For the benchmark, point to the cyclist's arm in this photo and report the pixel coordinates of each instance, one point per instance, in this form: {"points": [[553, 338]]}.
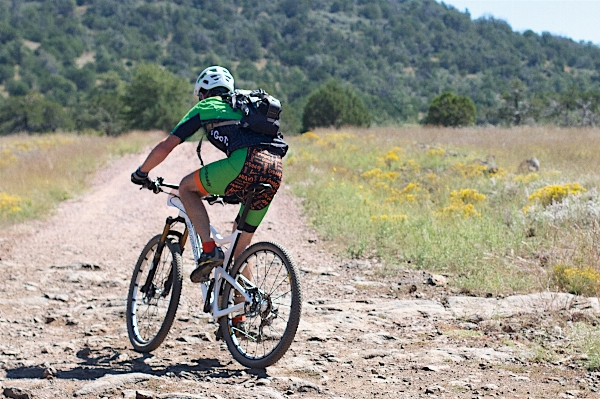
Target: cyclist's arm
{"points": [[160, 152]]}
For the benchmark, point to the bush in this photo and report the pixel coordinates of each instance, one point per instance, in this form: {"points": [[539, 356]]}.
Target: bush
{"points": [[16, 87], [31, 113], [448, 109], [333, 105], [577, 281], [155, 99]]}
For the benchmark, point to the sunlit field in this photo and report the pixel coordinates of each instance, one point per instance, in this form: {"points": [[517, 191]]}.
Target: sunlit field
{"points": [[461, 202], [39, 171]]}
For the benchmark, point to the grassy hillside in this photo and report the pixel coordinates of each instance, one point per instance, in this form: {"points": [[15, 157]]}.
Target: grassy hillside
{"points": [[398, 54]]}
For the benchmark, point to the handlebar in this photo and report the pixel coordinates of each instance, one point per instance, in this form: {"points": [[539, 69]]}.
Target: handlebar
{"points": [[158, 183]]}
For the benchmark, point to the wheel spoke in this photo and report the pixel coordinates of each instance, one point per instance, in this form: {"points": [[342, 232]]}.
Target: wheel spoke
{"points": [[150, 314], [267, 333]]}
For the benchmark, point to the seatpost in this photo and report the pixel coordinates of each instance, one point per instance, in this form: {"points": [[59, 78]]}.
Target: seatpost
{"points": [[251, 192], [244, 214]]}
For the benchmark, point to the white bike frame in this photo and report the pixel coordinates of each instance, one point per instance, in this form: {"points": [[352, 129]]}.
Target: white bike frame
{"points": [[220, 273]]}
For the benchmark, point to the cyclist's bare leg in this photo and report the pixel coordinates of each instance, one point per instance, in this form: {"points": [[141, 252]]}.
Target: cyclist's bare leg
{"points": [[192, 201], [243, 243]]}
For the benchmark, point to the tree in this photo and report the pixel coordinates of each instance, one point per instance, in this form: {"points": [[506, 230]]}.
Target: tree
{"points": [[155, 99], [448, 109], [515, 107], [31, 113], [333, 105]]}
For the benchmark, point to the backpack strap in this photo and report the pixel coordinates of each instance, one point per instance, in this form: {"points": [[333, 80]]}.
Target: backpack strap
{"points": [[211, 126]]}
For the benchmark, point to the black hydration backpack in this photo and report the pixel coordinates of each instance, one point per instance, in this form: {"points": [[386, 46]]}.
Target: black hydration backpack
{"points": [[261, 111]]}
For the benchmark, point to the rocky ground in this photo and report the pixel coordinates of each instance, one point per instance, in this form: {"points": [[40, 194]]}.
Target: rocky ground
{"points": [[63, 333]]}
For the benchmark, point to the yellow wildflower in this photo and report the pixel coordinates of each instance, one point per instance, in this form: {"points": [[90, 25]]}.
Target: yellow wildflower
{"points": [[9, 203], [555, 193], [467, 196], [436, 152], [528, 178]]}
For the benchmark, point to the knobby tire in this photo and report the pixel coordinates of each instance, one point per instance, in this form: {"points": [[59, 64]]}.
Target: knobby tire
{"points": [[275, 274], [149, 318]]}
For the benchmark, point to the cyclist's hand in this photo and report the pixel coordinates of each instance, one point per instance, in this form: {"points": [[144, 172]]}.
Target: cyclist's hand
{"points": [[141, 179]]}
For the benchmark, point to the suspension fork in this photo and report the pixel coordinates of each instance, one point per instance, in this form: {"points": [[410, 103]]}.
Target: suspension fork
{"points": [[159, 248]]}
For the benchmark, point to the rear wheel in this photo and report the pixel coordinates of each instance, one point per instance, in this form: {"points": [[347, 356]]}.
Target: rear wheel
{"points": [[269, 274], [152, 304]]}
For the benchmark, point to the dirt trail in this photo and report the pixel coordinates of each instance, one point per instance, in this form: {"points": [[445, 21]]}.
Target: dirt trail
{"points": [[62, 326]]}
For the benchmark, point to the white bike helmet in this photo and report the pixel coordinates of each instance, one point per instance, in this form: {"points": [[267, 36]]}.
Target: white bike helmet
{"points": [[211, 77]]}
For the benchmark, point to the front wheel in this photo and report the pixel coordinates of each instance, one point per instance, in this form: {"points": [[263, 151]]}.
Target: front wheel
{"points": [[154, 294], [268, 273]]}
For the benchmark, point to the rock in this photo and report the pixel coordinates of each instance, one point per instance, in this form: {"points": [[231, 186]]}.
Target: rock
{"points": [[263, 381], [300, 385], [128, 394], [490, 326], [516, 304], [438, 280], [179, 395], [57, 297], [62, 297], [16, 393], [111, 381], [123, 357], [491, 387], [434, 368], [358, 264], [468, 326], [510, 328], [434, 389], [144, 395], [49, 373], [84, 353], [87, 266], [206, 336], [373, 353], [188, 339]]}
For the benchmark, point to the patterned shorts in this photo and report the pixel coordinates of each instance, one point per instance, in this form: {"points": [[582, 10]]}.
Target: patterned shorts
{"points": [[243, 168]]}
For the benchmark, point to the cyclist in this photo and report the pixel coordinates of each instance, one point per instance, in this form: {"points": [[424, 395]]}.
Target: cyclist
{"points": [[251, 158]]}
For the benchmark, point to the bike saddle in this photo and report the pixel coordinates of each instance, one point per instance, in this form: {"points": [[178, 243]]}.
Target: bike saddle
{"points": [[260, 188]]}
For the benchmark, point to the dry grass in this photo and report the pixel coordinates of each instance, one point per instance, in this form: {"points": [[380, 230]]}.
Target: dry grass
{"points": [[572, 150], [37, 172], [422, 197]]}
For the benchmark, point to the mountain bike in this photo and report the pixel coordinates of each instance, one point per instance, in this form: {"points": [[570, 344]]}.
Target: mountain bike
{"points": [[262, 284]]}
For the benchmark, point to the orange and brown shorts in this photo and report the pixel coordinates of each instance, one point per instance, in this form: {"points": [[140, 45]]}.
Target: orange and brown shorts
{"points": [[234, 175]]}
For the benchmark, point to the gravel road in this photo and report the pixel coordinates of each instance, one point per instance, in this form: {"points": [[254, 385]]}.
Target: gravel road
{"points": [[63, 333]]}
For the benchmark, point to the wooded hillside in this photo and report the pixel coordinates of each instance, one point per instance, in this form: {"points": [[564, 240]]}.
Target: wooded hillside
{"points": [[74, 59]]}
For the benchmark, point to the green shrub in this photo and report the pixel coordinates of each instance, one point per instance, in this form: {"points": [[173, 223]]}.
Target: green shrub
{"points": [[333, 105], [448, 109]]}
